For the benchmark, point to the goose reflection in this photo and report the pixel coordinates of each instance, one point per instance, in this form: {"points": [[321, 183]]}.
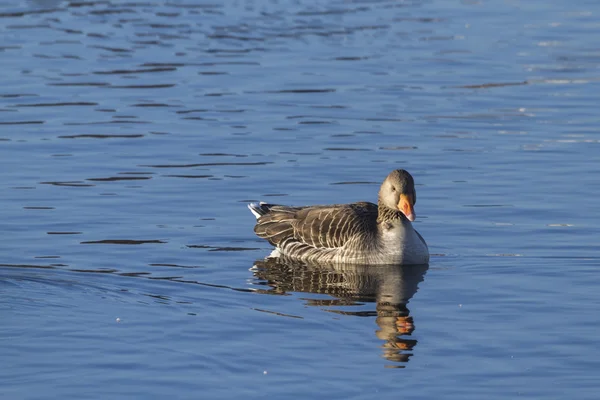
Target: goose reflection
{"points": [[389, 286]]}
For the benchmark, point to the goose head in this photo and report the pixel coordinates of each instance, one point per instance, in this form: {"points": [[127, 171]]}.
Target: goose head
{"points": [[398, 193]]}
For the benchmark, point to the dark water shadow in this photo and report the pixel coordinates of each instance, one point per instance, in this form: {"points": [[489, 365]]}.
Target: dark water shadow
{"points": [[390, 287]]}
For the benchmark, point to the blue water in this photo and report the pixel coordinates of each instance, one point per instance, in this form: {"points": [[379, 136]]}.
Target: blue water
{"points": [[132, 135]]}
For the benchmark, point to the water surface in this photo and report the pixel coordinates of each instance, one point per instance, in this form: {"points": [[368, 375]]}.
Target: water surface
{"points": [[132, 135]]}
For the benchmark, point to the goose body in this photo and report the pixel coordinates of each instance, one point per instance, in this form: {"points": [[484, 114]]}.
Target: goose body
{"points": [[362, 233]]}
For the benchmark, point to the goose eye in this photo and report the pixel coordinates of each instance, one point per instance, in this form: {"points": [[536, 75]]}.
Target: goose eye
{"points": [[393, 189]]}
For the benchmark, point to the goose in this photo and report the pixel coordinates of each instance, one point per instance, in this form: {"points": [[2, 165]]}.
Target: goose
{"points": [[358, 233]]}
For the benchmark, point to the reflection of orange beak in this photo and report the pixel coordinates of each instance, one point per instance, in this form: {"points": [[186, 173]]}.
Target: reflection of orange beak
{"points": [[405, 325], [406, 206]]}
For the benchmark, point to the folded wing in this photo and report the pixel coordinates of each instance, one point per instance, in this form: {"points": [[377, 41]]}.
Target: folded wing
{"points": [[325, 227]]}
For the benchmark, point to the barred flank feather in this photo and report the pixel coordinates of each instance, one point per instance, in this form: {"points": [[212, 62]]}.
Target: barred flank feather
{"points": [[313, 232]]}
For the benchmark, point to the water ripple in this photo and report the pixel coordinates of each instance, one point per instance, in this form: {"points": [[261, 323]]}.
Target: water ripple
{"points": [[214, 164], [100, 136], [124, 241]]}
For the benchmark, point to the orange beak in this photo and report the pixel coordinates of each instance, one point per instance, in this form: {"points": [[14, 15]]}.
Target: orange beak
{"points": [[406, 206]]}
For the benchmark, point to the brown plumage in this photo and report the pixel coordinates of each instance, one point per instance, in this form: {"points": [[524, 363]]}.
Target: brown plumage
{"points": [[359, 232]]}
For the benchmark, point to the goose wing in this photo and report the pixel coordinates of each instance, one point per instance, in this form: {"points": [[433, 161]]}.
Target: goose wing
{"points": [[327, 227]]}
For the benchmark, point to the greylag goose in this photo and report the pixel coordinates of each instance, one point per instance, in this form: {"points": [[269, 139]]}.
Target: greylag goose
{"points": [[361, 233]]}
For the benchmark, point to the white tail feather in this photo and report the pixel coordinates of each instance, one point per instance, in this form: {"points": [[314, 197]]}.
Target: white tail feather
{"points": [[252, 207]]}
